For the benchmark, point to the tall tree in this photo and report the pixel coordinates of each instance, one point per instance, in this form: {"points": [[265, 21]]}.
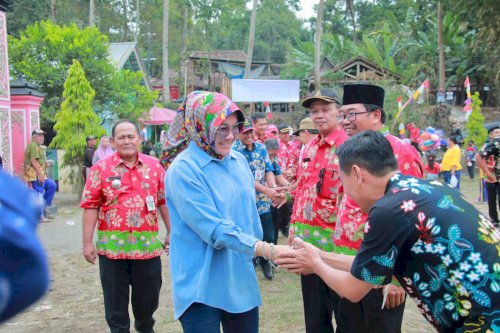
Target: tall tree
{"points": [[91, 13], [166, 81], [45, 51], [442, 78], [251, 38], [76, 120], [349, 4], [317, 46], [53, 10]]}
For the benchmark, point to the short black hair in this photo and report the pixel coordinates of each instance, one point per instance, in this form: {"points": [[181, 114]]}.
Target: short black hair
{"points": [[125, 121], [257, 115], [492, 129], [369, 150], [272, 143], [453, 139], [373, 107]]}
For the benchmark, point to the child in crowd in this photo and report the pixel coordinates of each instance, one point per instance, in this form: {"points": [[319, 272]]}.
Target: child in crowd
{"points": [[432, 168]]}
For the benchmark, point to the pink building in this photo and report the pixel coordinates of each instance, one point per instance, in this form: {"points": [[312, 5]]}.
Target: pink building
{"points": [[25, 117], [19, 113]]}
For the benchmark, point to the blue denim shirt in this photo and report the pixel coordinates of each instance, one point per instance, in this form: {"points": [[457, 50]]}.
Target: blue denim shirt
{"points": [[259, 162], [214, 227]]}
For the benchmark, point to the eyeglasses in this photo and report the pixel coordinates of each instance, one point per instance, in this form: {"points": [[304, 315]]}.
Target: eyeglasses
{"points": [[223, 131], [350, 116]]}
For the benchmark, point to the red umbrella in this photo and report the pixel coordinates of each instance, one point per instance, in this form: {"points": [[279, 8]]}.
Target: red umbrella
{"points": [[159, 116]]}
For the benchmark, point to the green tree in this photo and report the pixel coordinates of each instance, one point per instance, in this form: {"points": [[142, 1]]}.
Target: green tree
{"points": [[475, 123], [76, 120], [45, 51]]}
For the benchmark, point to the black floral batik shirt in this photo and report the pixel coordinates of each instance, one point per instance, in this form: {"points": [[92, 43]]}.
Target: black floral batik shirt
{"points": [[442, 250]]}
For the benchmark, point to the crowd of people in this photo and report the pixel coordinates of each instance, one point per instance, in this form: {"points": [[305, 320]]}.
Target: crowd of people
{"points": [[362, 226]]}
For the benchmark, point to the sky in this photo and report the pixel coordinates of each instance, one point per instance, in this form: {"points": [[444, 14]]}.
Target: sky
{"points": [[307, 8]]}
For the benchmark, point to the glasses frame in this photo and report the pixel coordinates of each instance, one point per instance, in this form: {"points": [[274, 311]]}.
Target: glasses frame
{"points": [[236, 129], [350, 116]]}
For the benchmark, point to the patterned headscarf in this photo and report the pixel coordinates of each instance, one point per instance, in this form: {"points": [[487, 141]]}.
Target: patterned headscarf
{"points": [[197, 120]]}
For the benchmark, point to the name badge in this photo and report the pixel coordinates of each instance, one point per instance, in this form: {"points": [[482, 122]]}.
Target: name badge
{"points": [[150, 203], [258, 175]]}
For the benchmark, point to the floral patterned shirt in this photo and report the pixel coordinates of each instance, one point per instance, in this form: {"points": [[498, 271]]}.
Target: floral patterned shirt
{"points": [[492, 148], [351, 220], [262, 139], [440, 248], [259, 162], [126, 229], [288, 156], [315, 206]]}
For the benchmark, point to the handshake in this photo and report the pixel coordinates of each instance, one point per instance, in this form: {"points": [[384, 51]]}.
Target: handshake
{"points": [[300, 258]]}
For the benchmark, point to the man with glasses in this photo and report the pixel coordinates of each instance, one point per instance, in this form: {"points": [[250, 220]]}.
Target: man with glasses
{"points": [[362, 110], [315, 207], [265, 184]]}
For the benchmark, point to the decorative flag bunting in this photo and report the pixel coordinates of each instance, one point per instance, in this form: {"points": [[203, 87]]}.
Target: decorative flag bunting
{"points": [[420, 90]]}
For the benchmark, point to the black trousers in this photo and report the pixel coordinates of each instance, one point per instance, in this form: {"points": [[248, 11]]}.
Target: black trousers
{"points": [[493, 191], [320, 303], [281, 219], [117, 276]]}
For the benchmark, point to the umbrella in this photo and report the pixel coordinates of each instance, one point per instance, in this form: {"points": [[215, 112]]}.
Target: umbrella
{"points": [[159, 116]]}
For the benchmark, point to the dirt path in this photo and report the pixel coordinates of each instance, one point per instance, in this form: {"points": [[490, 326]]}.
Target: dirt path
{"points": [[74, 302]]}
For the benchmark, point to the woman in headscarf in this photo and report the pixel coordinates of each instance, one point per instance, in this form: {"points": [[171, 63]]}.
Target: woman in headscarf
{"points": [[104, 150], [215, 226]]}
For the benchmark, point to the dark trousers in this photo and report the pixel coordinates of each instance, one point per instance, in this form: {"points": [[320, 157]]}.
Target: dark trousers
{"points": [[144, 276], [320, 302], [201, 318], [281, 220], [493, 191], [470, 169], [447, 177], [266, 220]]}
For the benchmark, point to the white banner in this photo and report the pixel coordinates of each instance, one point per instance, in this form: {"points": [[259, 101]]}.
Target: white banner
{"points": [[273, 91]]}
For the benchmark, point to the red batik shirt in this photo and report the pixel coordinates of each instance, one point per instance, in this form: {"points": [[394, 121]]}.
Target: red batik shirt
{"points": [[126, 229], [288, 157], [315, 206], [351, 220], [263, 138]]}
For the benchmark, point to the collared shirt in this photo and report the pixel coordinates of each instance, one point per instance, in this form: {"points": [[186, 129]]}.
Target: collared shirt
{"points": [[452, 158], [263, 138], [259, 162], [492, 149], [315, 206], [440, 248], [288, 156], [351, 220], [33, 150], [126, 229], [215, 225]]}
